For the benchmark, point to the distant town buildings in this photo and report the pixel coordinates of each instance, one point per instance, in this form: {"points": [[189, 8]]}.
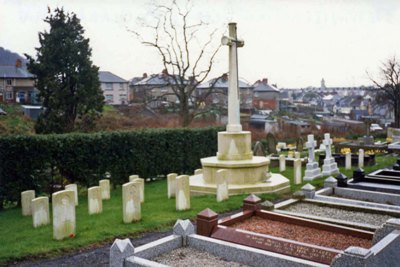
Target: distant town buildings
{"points": [[115, 89]]}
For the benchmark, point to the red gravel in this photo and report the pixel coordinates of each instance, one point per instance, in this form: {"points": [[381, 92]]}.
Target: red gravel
{"points": [[302, 233]]}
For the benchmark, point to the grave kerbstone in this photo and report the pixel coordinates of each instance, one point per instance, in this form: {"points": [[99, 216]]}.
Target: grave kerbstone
{"points": [[206, 221], [348, 161], [358, 175], [26, 202], [171, 184], [312, 170], [330, 166], [183, 228], [182, 195], [131, 202], [105, 188], [40, 211], [95, 202], [73, 188], [297, 171], [63, 203], [267, 205], [221, 182], [119, 251], [308, 190], [361, 158], [330, 182], [282, 163]]}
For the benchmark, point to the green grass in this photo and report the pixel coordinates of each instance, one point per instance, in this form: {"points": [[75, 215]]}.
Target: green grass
{"points": [[15, 122], [158, 213], [20, 240]]}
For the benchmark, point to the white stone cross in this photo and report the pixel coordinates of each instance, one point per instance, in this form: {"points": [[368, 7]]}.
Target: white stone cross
{"points": [[233, 91], [328, 142], [311, 144]]}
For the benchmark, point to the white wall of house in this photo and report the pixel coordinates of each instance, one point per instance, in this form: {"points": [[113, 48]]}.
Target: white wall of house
{"points": [[115, 93]]}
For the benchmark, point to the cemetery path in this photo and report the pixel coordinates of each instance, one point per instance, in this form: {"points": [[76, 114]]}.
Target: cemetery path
{"points": [[98, 256]]}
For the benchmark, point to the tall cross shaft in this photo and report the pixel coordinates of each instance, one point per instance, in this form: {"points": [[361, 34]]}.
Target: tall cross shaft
{"points": [[233, 89]]}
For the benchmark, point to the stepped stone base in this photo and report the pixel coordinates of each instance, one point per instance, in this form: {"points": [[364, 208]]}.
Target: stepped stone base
{"points": [[330, 167], [312, 171]]}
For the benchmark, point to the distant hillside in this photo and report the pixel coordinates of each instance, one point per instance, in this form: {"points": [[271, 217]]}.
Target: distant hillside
{"points": [[9, 58]]}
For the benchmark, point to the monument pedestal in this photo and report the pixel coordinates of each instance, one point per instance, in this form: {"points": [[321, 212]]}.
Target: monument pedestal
{"points": [[312, 171], [329, 167]]}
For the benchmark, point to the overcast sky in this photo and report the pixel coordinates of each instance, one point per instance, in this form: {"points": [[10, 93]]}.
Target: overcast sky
{"points": [[293, 43]]}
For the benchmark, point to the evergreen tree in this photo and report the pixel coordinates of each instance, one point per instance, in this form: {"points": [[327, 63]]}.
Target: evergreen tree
{"points": [[67, 81]]}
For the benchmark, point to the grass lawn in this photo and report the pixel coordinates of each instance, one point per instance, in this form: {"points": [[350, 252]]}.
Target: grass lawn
{"points": [[20, 240]]}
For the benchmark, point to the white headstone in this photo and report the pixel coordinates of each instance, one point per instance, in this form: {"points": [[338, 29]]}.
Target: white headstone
{"points": [[26, 202], [171, 184], [63, 214], [140, 181], [182, 195], [348, 161], [40, 211], [74, 188], [95, 201], [198, 171], [131, 202], [297, 171], [282, 163], [361, 158], [132, 177], [222, 185], [296, 155], [105, 188], [330, 166], [312, 170]]}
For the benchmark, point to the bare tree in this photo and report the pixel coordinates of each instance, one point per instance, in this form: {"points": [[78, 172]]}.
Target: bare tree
{"points": [[390, 86], [186, 59]]}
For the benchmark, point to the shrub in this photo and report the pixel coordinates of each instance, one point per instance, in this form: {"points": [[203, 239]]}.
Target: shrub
{"points": [[36, 162]]}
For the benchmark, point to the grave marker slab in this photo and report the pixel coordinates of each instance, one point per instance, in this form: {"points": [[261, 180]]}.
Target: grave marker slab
{"points": [[222, 185], [26, 199], [105, 188], [95, 202], [40, 211], [171, 184], [131, 202], [182, 194], [140, 181], [361, 158], [297, 171], [348, 161], [282, 163], [133, 177], [74, 188], [63, 214]]}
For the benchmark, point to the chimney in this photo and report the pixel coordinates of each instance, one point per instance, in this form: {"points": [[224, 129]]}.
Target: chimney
{"points": [[224, 77], [265, 81], [164, 72], [18, 63], [144, 75]]}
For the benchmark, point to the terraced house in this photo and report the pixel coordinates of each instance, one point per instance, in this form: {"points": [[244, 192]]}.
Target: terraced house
{"points": [[115, 89]]}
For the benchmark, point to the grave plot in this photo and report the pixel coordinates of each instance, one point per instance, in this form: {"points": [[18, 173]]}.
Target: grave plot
{"points": [[367, 218]]}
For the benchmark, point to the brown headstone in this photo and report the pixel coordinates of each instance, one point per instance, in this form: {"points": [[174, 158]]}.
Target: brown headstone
{"points": [[206, 221]]}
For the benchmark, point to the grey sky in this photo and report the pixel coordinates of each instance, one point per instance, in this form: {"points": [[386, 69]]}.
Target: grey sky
{"points": [[293, 43]]}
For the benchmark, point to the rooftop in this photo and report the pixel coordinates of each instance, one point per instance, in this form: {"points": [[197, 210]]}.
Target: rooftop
{"points": [[14, 72], [108, 77]]}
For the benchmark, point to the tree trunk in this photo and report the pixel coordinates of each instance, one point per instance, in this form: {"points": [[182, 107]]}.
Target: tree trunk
{"points": [[396, 107]]}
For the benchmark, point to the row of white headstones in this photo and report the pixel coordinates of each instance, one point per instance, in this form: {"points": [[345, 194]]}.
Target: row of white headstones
{"points": [[311, 144], [64, 202]]}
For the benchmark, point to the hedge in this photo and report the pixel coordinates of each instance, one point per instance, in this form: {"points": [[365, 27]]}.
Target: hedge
{"points": [[40, 162]]}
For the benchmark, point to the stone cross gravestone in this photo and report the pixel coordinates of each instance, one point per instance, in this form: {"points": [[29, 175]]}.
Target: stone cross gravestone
{"points": [[26, 202], [131, 209], [63, 214], [40, 211], [105, 188], [95, 200], [312, 169], [330, 166], [73, 188], [222, 185], [348, 160], [182, 195], [171, 184]]}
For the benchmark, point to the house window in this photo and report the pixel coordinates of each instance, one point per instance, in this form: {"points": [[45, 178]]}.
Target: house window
{"points": [[109, 98], [9, 82], [9, 95], [109, 87], [121, 86]]}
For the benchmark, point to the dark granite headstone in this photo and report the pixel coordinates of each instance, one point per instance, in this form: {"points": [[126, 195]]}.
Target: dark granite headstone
{"points": [[299, 144], [358, 175], [342, 180]]}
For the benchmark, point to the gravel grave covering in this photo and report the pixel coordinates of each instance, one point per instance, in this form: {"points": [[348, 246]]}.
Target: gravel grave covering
{"points": [[339, 214], [189, 257], [302, 233]]}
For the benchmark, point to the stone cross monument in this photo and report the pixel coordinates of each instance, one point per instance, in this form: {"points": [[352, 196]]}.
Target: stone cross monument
{"points": [[330, 166], [233, 90], [312, 169]]}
